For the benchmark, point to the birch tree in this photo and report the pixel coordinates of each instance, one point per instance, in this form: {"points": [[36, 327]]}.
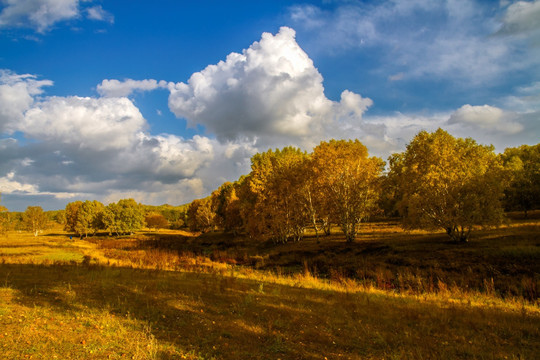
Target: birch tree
{"points": [[449, 183], [35, 219], [349, 182]]}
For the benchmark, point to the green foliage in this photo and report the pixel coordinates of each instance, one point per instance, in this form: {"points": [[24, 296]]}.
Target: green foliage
{"points": [[171, 213], [84, 218], [448, 183], [89, 218], [124, 217], [523, 163], [58, 216]]}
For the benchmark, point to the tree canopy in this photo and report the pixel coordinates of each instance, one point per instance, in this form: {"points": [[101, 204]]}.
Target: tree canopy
{"points": [[523, 163], [35, 219], [124, 217], [449, 183], [349, 180]]}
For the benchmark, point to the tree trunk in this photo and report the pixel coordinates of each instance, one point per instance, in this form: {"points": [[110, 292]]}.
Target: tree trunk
{"points": [[458, 235]]}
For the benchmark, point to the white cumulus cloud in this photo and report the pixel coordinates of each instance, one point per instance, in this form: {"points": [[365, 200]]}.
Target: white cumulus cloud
{"points": [[270, 91], [17, 94], [97, 147], [485, 117], [86, 122]]}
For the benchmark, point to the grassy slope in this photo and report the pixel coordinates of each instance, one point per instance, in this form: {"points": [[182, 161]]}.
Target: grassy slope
{"points": [[64, 309]]}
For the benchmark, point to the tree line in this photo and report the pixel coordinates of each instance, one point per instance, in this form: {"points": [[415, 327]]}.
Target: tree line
{"points": [[88, 217], [439, 181]]}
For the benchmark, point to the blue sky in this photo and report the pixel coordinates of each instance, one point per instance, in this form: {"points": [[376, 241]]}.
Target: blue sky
{"points": [[165, 101]]}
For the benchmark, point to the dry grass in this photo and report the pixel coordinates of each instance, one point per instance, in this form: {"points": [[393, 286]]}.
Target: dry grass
{"points": [[149, 297]]}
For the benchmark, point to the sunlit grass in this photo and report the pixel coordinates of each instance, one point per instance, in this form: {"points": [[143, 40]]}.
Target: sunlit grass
{"points": [[146, 297], [98, 312]]}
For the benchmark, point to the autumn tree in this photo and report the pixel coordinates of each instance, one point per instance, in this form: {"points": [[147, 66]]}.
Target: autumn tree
{"points": [[272, 207], [156, 221], [449, 183], [226, 206], [4, 220], [313, 198], [200, 215], [35, 219], [523, 164], [124, 217], [71, 213], [349, 180], [390, 194]]}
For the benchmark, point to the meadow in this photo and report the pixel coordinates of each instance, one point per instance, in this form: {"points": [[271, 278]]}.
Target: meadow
{"points": [[179, 295]]}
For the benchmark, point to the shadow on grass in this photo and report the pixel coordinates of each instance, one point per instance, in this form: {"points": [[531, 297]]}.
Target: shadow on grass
{"points": [[222, 317]]}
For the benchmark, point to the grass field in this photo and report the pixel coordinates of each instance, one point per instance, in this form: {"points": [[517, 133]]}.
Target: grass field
{"points": [[176, 295]]}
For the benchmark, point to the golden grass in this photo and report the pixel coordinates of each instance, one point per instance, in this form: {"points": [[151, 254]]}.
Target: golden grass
{"points": [[122, 298]]}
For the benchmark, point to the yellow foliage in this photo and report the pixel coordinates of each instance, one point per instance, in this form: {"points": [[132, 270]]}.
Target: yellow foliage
{"points": [[449, 183]]}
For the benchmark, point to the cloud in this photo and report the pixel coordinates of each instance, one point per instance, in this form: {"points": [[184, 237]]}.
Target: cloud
{"points": [[521, 17], [38, 14], [396, 77], [83, 147], [42, 15], [271, 92], [88, 123], [487, 118], [424, 39], [9, 186], [17, 94], [525, 99], [116, 88], [97, 13]]}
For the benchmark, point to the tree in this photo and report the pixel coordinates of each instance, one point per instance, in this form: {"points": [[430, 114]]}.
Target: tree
{"points": [[226, 206], [272, 206], [200, 215], [156, 221], [390, 195], [523, 192], [4, 220], [349, 182], [448, 183], [35, 219], [89, 218], [84, 218], [71, 212], [59, 216], [124, 217]]}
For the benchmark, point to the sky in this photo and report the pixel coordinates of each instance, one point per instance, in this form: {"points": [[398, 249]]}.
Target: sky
{"points": [[165, 101]]}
